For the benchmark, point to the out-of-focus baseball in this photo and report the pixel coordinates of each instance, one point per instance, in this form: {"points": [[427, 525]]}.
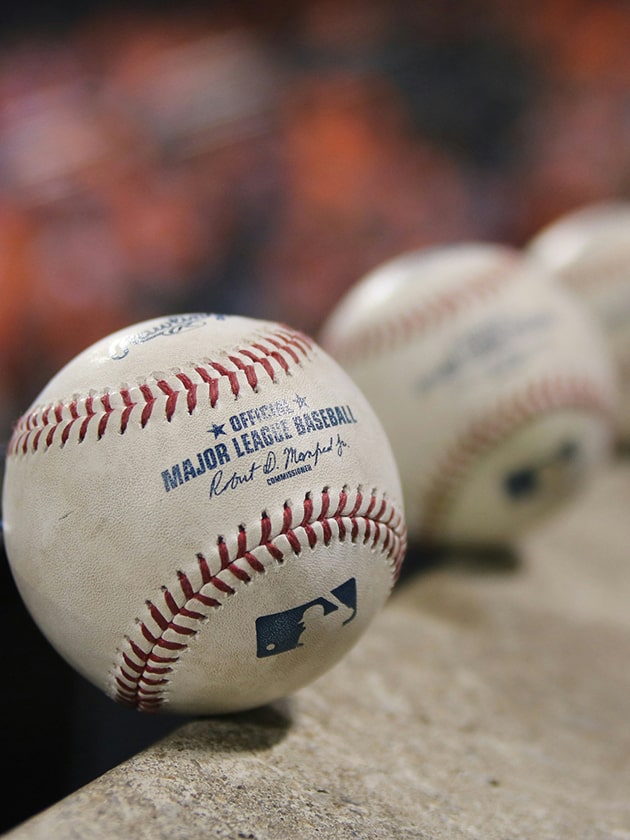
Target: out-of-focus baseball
{"points": [[202, 513], [493, 384], [589, 251]]}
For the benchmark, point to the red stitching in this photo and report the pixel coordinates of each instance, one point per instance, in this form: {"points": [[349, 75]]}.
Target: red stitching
{"points": [[286, 348], [191, 391], [553, 394], [153, 655], [129, 407], [374, 338]]}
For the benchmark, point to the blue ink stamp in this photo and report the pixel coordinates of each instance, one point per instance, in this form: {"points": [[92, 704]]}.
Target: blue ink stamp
{"points": [[525, 482], [280, 632]]}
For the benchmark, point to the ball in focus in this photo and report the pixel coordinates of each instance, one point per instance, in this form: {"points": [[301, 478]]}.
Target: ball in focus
{"points": [[588, 250], [493, 384], [202, 513]]}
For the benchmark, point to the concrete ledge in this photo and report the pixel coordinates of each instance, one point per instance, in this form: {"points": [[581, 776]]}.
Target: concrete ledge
{"points": [[490, 699]]}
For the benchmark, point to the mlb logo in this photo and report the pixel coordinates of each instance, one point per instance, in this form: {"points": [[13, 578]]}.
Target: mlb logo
{"points": [[280, 632]]}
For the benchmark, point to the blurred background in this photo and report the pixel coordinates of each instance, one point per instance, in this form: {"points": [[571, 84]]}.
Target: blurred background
{"points": [[258, 158]]}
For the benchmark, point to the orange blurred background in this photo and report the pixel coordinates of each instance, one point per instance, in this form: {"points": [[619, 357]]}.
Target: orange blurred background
{"points": [[258, 159]]}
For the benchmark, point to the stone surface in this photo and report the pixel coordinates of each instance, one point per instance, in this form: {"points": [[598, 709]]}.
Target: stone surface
{"points": [[490, 699]]}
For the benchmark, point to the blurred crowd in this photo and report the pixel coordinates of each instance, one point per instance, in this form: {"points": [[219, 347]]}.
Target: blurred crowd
{"points": [[260, 159]]}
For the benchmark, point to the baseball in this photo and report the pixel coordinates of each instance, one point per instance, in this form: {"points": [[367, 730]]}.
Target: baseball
{"points": [[202, 513], [492, 383], [588, 250]]}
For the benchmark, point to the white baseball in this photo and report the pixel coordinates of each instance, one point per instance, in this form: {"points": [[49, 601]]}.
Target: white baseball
{"points": [[493, 384], [202, 513], [588, 250]]}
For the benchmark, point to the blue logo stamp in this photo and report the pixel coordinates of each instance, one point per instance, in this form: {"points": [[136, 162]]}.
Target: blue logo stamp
{"points": [[281, 632], [525, 482]]}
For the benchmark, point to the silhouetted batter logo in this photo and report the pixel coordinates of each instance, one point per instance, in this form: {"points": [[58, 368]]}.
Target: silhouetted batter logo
{"points": [[283, 631], [525, 482]]}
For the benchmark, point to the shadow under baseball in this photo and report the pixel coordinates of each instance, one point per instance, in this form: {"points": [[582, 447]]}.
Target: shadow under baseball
{"points": [[491, 559]]}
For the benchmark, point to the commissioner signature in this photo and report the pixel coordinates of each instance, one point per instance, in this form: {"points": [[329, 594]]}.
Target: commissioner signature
{"points": [[293, 455], [221, 484], [293, 462]]}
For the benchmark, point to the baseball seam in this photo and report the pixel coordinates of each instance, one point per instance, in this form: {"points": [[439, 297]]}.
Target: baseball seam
{"points": [[273, 353], [539, 397], [145, 663], [416, 320]]}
